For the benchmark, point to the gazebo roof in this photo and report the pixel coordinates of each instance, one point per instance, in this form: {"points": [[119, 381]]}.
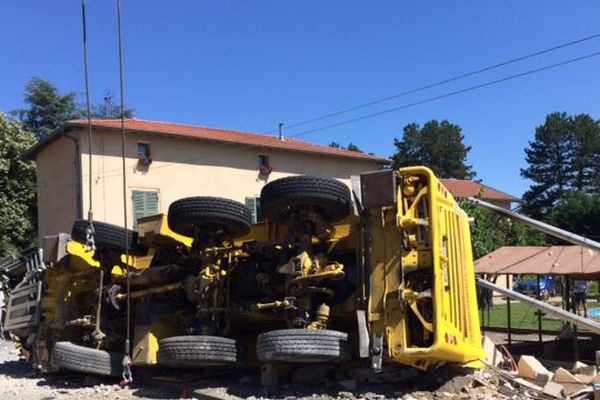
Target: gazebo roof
{"points": [[576, 261]]}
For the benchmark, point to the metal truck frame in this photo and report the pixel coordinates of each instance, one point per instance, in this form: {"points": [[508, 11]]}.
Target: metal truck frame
{"points": [[390, 282]]}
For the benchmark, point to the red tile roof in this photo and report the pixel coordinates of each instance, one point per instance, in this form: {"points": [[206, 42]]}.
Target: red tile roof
{"points": [[225, 135], [466, 188]]}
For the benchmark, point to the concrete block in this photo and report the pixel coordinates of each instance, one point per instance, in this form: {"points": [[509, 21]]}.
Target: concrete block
{"points": [[585, 379], [592, 370], [529, 367], [554, 389], [492, 354], [578, 365], [527, 384], [561, 375]]}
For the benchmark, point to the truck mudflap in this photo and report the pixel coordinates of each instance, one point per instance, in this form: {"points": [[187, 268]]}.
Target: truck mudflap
{"points": [[422, 297]]}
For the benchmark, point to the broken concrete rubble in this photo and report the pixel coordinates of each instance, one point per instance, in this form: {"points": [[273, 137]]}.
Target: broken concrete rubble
{"points": [[492, 354], [529, 367], [554, 389], [561, 375]]}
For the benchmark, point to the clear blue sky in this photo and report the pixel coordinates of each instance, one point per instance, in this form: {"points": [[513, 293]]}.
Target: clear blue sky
{"points": [[249, 65]]}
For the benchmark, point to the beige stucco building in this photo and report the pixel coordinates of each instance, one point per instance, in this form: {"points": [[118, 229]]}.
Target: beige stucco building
{"points": [[166, 162]]}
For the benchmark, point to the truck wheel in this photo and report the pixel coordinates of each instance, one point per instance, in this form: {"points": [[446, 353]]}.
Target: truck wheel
{"points": [[303, 346], [73, 357], [108, 236], [327, 197], [198, 351], [212, 214]]}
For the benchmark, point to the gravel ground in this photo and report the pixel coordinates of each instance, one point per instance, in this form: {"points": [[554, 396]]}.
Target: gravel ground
{"points": [[19, 381]]}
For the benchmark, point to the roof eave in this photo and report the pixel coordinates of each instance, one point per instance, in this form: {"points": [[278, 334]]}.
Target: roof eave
{"points": [[374, 159]]}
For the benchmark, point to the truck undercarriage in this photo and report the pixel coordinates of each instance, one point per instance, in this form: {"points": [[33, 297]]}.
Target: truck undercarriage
{"points": [[382, 273]]}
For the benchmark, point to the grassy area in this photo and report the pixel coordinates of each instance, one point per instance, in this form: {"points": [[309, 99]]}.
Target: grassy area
{"points": [[522, 316]]}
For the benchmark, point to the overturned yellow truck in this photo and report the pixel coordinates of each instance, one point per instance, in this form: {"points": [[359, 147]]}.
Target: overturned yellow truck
{"points": [[382, 273]]}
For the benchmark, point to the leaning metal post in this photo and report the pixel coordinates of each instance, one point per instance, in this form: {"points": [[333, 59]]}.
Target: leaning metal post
{"points": [[539, 314], [508, 314]]}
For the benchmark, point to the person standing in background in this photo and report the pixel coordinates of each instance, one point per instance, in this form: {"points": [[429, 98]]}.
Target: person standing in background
{"points": [[580, 289]]}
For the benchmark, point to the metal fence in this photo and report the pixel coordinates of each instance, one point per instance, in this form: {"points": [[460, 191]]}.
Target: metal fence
{"points": [[523, 327]]}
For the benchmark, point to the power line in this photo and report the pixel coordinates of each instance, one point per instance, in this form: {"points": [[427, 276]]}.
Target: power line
{"points": [[402, 107], [442, 82], [453, 93]]}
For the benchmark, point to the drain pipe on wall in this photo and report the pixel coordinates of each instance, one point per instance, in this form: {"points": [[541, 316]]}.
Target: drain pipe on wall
{"points": [[77, 176]]}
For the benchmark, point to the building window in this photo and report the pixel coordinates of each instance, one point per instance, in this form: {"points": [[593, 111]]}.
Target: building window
{"points": [[144, 153], [144, 204], [253, 203], [264, 165]]}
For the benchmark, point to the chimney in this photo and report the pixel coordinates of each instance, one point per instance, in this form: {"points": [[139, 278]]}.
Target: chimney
{"points": [[281, 137]]}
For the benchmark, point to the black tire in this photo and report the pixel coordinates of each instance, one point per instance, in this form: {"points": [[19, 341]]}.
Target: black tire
{"points": [[73, 357], [108, 236], [213, 214], [303, 346], [327, 197], [198, 351]]}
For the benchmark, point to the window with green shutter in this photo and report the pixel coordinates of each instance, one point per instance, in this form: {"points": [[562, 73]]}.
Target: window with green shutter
{"points": [[145, 203], [253, 203]]}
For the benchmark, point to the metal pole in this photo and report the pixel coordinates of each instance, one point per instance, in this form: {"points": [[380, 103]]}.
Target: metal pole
{"points": [[575, 335], [482, 319], [508, 314], [542, 226], [539, 313]]}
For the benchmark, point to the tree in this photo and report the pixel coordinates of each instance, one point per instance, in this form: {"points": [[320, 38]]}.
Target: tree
{"points": [[438, 145], [108, 109], [48, 110], [18, 208], [563, 157], [585, 154], [492, 231], [351, 147], [579, 213]]}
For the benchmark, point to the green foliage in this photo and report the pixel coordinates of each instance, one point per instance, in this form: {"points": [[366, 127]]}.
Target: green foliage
{"points": [[108, 109], [579, 212], [438, 145], [351, 147], [17, 188], [48, 109], [491, 231], [563, 157]]}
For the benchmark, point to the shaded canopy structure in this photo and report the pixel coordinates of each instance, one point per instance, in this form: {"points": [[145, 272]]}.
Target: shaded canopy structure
{"points": [[574, 261]]}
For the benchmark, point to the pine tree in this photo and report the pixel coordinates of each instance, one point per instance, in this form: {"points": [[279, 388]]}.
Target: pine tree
{"points": [[438, 145], [585, 154], [48, 110], [563, 157]]}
